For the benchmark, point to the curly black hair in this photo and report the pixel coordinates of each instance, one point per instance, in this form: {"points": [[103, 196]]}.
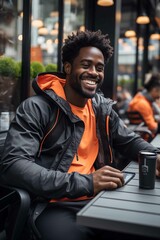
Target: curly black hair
{"points": [[80, 39], [153, 82]]}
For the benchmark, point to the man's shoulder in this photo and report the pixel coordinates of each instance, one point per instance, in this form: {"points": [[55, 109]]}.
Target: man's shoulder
{"points": [[102, 104], [36, 103], [138, 99], [100, 98], [36, 99]]}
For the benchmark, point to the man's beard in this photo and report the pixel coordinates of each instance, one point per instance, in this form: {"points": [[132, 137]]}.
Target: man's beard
{"points": [[82, 92]]}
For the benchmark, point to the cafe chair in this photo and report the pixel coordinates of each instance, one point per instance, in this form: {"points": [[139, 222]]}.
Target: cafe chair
{"points": [[135, 118], [3, 135], [138, 125], [14, 209]]}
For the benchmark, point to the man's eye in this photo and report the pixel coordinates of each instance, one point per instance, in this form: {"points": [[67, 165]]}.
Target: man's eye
{"points": [[85, 66], [100, 69]]}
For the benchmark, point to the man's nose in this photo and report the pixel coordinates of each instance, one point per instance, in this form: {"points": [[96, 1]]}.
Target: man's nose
{"points": [[93, 71]]}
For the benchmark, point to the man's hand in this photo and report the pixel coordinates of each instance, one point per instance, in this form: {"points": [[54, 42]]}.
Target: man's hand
{"points": [[107, 178], [158, 166]]}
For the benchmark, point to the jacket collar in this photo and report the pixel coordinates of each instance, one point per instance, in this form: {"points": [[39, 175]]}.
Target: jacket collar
{"points": [[48, 84]]}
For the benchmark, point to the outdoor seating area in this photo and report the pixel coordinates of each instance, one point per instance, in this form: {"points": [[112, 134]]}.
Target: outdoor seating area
{"points": [[138, 125], [79, 102], [15, 204], [129, 210]]}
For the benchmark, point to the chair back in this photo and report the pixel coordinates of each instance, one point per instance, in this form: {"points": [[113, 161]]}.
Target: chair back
{"points": [[14, 206], [135, 118], [3, 135], [138, 125]]}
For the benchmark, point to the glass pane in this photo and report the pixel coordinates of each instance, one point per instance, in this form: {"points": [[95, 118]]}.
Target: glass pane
{"points": [[45, 29], [140, 63], [126, 62], [44, 36], [10, 56], [127, 47], [74, 16], [154, 52]]}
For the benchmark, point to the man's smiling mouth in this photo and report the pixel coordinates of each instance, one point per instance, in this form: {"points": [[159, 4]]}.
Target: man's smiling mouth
{"points": [[90, 82]]}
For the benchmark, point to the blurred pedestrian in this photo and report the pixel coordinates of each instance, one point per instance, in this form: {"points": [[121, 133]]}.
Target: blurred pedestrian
{"points": [[143, 101]]}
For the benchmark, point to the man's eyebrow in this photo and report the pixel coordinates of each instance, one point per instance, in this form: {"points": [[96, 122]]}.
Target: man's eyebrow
{"points": [[88, 60]]}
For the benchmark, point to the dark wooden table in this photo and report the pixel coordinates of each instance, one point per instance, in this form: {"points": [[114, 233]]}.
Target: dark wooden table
{"points": [[128, 209]]}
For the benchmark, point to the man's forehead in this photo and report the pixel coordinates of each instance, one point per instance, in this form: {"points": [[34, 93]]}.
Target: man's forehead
{"points": [[91, 49], [89, 52]]}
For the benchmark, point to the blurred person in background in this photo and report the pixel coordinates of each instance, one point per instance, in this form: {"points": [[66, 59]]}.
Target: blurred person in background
{"points": [[144, 102], [123, 99]]}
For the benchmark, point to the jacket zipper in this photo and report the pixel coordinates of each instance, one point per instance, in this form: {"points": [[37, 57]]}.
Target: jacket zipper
{"points": [[41, 144], [107, 131]]}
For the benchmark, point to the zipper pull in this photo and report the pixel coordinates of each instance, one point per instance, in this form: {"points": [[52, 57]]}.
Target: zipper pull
{"points": [[77, 157]]}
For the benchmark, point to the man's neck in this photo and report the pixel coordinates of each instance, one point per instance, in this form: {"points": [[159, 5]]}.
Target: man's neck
{"points": [[74, 98]]}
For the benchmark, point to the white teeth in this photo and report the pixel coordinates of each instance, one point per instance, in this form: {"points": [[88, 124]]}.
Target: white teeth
{"points": [[91, 82]]}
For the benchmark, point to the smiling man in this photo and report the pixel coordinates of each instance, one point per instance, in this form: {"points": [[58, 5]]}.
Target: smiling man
{"points": [[60, 144], [85, 76]]}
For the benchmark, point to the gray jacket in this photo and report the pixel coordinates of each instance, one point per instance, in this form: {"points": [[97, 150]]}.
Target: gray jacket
{"points": [[44, 137]]}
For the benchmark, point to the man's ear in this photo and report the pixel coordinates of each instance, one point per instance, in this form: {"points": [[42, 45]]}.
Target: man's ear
{"points": [[67, 67]]}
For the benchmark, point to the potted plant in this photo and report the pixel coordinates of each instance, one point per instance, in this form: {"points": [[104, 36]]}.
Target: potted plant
{"points": [[51, 67], [8, 77], [8, 80], [37, 68]]}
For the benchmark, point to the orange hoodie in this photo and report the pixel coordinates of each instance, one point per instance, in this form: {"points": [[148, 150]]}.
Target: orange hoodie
{"points": [[140, 104], [88, 148]]}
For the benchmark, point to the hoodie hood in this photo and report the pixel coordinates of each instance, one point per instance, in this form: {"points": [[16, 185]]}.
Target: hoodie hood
{"points": [[45, 82], [52, 81]]}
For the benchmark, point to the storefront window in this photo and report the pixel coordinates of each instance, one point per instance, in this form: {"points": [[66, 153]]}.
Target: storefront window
{"points": [[45, 30], [10, 57], [126, 63], [73, 16], [127, 48], [154, 52], [44, 33]]}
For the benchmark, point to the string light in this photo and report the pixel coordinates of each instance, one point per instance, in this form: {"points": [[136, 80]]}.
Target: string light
{"points": [[105, 3]]}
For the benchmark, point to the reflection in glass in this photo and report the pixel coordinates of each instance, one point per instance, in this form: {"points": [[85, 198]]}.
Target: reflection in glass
{"points": [[45, 27], [73, 16], [10, 57]]}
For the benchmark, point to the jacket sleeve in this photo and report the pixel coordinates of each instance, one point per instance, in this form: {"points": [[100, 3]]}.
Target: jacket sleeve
{"points": [[18, 167], [127, 142]]}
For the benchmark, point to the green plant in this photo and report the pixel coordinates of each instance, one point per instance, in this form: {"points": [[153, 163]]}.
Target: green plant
{"points": [[8, 67], [19, 70], [51, 67], [19, 66], [36, 68], [126, 83]]}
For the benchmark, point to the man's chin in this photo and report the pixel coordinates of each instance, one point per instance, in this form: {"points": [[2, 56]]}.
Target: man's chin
{"points": [[89, 95]]}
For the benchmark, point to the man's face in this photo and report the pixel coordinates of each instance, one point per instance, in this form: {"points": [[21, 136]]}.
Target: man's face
{"points": [[87, 72]]}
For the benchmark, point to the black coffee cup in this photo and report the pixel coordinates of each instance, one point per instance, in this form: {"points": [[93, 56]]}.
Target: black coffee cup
{"points": [[147, 169]]}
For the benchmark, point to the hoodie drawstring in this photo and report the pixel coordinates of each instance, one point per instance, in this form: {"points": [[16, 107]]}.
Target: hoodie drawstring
{"points": [[109, 146], [77, 158], [45, 136]]}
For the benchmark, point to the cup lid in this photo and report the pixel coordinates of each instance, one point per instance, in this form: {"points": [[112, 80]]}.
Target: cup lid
{"points": [[143, 152]]}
